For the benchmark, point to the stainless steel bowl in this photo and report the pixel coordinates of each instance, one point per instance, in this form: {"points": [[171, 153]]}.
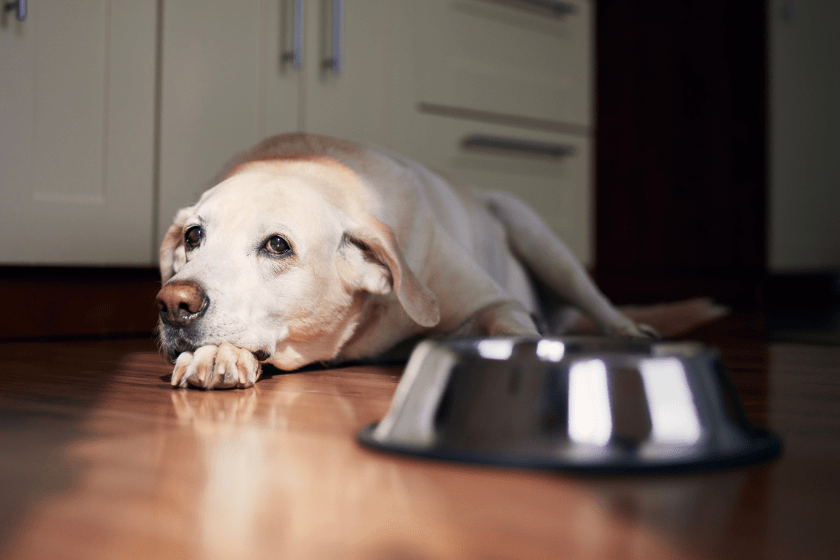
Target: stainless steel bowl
{"points": [[572, 404]]}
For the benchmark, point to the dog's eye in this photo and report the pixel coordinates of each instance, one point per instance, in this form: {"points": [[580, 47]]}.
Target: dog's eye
{"points": [[276, 245], [193, 237]]}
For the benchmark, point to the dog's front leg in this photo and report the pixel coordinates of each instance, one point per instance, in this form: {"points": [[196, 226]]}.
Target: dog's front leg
{"points": [[216, 367]]}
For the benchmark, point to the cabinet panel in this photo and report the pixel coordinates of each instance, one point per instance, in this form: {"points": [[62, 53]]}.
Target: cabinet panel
{"points": [[504, 56], [227, 84], [281, 93], [77, 115], [354, 102], [556, 186], [221, 71]]}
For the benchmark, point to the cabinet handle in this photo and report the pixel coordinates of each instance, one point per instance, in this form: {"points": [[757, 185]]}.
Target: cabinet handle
{"points": [[556, 7], [18, 6], [529, 147], [334, 62], [296, 54]]}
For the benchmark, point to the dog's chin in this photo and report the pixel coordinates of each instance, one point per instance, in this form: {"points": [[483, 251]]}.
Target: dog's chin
{"points": [[175, 346], [175, 342]]}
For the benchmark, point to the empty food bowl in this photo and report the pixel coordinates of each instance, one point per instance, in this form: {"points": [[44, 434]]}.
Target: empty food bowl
{"points": [[572, 404]]}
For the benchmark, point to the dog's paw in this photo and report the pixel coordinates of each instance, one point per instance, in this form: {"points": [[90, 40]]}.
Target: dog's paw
{"points": [[634, 330], [216, 367]]}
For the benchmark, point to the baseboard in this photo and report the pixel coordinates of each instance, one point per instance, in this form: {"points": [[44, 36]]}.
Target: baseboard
{"points": [[81, 302], [803, 289], [803, 307], [73, 302]]}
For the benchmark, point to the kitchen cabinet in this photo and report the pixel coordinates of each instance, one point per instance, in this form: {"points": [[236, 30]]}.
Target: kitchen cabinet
{"points": [[77, 142], [115, 114], [229, 79]]}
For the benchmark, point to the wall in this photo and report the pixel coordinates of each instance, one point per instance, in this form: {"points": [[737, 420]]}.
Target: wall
{"points": [[804, 136]]}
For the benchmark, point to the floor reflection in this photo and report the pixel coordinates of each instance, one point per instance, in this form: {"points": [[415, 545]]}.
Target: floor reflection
{"points": [[281, 478], [274, 485], [707, 507]]}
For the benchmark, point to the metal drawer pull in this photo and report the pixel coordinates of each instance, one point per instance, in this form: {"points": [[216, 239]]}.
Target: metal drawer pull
{"points": [[531, 147], [334, 62], [556, 7], [296, 54], [19, 7]]}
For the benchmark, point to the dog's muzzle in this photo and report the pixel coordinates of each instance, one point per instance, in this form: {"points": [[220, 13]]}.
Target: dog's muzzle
{"points": [[181, 302]]}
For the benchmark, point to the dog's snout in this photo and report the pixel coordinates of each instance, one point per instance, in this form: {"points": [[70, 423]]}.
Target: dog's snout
{"points": [[181, 303]]}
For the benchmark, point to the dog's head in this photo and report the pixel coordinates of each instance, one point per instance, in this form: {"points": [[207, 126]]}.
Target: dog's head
{"points": [[281, 261]]}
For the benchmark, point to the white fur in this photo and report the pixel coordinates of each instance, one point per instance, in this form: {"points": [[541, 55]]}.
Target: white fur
{"points": [[384, 251]]}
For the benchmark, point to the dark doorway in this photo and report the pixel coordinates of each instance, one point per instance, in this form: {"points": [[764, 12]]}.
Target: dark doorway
{"points": [[680, 149]]}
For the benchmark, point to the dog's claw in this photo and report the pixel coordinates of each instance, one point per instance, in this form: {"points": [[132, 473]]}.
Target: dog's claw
{"points": [[248, 368], [200, 368], [243, 374], [224, 376], [216, 367], [649, 331], [181, 365]]}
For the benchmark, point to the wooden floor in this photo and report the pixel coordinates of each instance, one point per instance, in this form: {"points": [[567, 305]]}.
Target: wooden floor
{"points": [[101, 459]]}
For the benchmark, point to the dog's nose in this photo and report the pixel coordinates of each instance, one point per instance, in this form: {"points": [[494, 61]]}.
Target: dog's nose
{"points": [[181, 303]]}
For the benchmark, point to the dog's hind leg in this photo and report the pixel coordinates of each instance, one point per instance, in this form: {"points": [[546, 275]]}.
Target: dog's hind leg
{"points": [[508, 318], [553, 264]]}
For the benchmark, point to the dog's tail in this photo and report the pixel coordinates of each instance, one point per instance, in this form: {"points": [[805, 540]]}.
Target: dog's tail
{"points": [[670, 319]]}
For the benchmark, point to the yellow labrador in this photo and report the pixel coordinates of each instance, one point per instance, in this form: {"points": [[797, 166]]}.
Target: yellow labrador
{"points": [[311, 249]]}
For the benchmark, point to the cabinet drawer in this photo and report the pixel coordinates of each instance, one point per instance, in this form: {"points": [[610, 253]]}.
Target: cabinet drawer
{"points": [[549, 171], [506, 57]]}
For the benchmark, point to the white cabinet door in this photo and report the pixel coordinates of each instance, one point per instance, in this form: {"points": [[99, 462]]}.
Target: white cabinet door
{"points": [[77, 122], [224, 87], [228, 83], [351, 103]]}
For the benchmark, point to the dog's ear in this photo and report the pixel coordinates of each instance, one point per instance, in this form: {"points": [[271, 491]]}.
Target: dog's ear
{"points": [[172, 252], [375, 264]]}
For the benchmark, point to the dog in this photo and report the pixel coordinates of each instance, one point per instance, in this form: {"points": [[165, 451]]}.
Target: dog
{"points": [[311, 249]]}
